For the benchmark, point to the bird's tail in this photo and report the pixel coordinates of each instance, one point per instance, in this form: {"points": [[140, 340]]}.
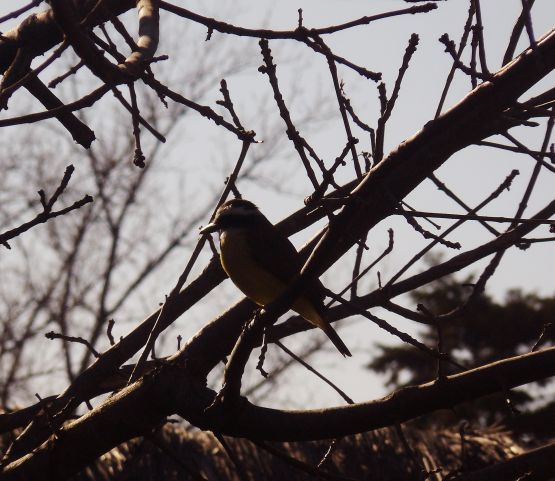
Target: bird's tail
{"points": [[314, 313], [335, 339]]}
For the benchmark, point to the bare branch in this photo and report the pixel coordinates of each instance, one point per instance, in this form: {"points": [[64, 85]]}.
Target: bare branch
{"points": [[47, 212]]}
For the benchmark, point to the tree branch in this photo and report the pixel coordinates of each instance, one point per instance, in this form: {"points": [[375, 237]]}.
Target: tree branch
{"points": [[47, 212], [171, 389]]}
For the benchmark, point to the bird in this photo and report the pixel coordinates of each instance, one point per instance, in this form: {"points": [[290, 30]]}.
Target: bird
{"points": [[261, 262]]}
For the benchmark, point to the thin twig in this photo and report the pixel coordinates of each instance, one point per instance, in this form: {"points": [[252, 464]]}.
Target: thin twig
{"points": [[47, 206], [505, 185], [269, 68], [19, 11], [351, 141], [109, 328], [141, 119], [355, 309], [516, 33], [228, 104], [314, 371], [84, 102], [289, 34], [386, 251], [328, 177], [488, 218], [460, 50], [72, 71], [138, 156], [6, 91], [54, 335], [449, 193], [526, 8], [480, 32], [409, 217], [537, 156], [543, 334], [386, 104], [262, 357], [161, 319], [300, 465], [451, 50], [520, 150]]}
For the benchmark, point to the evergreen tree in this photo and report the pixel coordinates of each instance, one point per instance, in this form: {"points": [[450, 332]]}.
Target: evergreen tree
{"points": [[482, 332]]}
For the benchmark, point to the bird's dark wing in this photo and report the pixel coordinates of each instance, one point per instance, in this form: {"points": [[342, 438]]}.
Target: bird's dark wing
{"points": [[280, 257], [274, 252]]}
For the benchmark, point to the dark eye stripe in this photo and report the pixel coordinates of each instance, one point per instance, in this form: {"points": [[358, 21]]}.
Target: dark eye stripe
{"points": [[235, 203], [240, 211]]}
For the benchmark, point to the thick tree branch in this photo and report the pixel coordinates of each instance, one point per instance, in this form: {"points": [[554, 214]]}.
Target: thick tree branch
{"points": [[141, 406], [40, 32], [471, 120], [477, 116], [221, 334], [455, 264], [288, 34], [149, 19], [408, 403]]}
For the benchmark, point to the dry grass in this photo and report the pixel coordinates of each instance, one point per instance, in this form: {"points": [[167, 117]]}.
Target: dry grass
{"points": [[174, 453]]}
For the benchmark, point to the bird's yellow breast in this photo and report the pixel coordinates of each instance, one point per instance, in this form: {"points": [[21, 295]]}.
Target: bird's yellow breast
{"points": [[255, 281], [248, 275]]}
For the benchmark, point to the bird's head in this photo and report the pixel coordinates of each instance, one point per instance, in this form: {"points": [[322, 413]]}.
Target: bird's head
{"points": [[235, 213]]}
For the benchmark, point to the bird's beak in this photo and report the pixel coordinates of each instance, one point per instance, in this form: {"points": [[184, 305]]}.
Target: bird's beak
{"points": [[208, 229]]}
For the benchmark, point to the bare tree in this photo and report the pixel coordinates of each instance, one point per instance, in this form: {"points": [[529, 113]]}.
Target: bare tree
{"points": [[103, 261], [55, 439]]}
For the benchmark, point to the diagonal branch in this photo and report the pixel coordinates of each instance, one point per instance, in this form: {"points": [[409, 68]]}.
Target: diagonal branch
{"points": [[47, 212], [171, 389]]}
